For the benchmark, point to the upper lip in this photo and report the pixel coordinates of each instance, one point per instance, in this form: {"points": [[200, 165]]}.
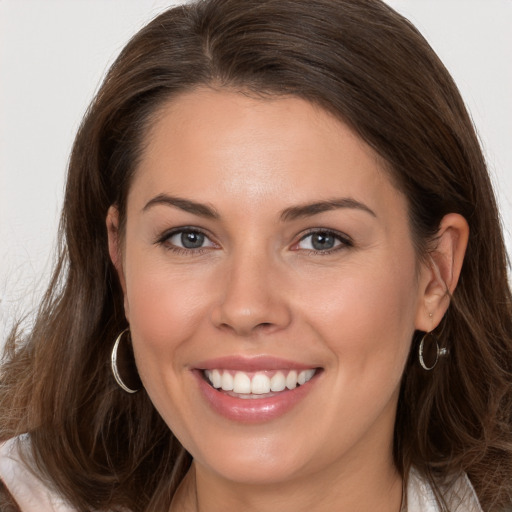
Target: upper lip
{"points": [[252, 364]]}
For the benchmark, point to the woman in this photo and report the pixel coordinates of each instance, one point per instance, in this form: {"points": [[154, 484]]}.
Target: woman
{"points": [[290, 230]]}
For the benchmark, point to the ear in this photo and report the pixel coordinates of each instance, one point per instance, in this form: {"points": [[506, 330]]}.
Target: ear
{"points": [[440, 273], [114, 244]]}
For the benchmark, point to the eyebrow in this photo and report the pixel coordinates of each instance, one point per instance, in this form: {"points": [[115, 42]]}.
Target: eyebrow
{"points": [[307, 210], [291, 213], [183, 204]]}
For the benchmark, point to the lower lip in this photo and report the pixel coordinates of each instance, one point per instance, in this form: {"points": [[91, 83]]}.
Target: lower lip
{"points": [[253, 410]]}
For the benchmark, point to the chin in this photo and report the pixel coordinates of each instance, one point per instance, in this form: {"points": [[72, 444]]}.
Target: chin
{"points": [[256, 469]]}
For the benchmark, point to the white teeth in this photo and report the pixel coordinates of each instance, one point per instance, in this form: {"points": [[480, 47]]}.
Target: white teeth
{"points": [[291, 380], [309, 374], [260, 383], [241, 383], [216, 379], [277, 382], [304, 376], [227, 381]]}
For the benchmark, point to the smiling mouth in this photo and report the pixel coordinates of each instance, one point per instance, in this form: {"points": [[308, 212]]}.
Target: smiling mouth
{"points": [[260, 384]]}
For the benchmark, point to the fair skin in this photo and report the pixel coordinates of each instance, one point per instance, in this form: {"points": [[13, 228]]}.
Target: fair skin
{"points": [[226, 265]]}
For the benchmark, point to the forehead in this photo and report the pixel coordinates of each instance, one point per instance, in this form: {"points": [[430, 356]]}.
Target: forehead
{"points": [[250, 149]]}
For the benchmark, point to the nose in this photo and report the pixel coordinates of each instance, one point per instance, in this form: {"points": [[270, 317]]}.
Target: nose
{"points": [[253, 297]]}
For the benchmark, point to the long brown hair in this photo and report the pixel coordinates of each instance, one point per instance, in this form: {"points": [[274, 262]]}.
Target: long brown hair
{"points": [[359, 60]]}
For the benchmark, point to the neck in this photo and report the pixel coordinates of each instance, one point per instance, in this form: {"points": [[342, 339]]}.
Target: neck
{"points": [[361, 489]]}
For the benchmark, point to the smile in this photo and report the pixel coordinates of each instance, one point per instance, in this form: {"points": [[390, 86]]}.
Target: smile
{"points": [[255, 390], [257, 384]]}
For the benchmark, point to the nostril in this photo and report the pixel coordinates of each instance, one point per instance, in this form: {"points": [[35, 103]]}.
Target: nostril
{"points": [[265, 327], [249, 329]]}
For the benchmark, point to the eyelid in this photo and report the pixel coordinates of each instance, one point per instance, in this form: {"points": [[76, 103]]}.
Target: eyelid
{"points": [[344, 239], [163, 239]]}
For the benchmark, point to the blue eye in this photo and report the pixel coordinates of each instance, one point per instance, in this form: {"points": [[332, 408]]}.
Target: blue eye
{"points": [[322, 241], [188, 239]]}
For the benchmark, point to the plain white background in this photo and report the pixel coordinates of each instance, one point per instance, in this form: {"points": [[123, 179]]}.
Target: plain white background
{"points": [[54, 53]]}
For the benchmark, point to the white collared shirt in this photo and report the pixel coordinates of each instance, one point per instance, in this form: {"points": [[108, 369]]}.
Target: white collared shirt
{"points": [[32, 495], [460, 497]]}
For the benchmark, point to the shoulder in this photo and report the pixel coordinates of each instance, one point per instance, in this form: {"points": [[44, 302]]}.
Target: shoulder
{"points": [[459, 495], [28, 490]]}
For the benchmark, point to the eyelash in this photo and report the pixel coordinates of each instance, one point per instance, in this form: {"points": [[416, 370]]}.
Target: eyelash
{"points": [[344, 241], [164, 240]]}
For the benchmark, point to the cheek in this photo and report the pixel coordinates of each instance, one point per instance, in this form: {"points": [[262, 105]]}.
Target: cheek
{"points": [[161, 297], [158, 304], [367, 317], [163, 321], [367, 324], [163, 307]]}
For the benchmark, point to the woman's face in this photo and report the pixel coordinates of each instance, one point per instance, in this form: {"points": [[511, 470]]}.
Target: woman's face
{"points": [[267, 252]]}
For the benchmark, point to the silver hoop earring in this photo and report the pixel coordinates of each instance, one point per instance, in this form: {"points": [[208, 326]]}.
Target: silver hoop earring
{"points": [[127, 362], [429, 352]]}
